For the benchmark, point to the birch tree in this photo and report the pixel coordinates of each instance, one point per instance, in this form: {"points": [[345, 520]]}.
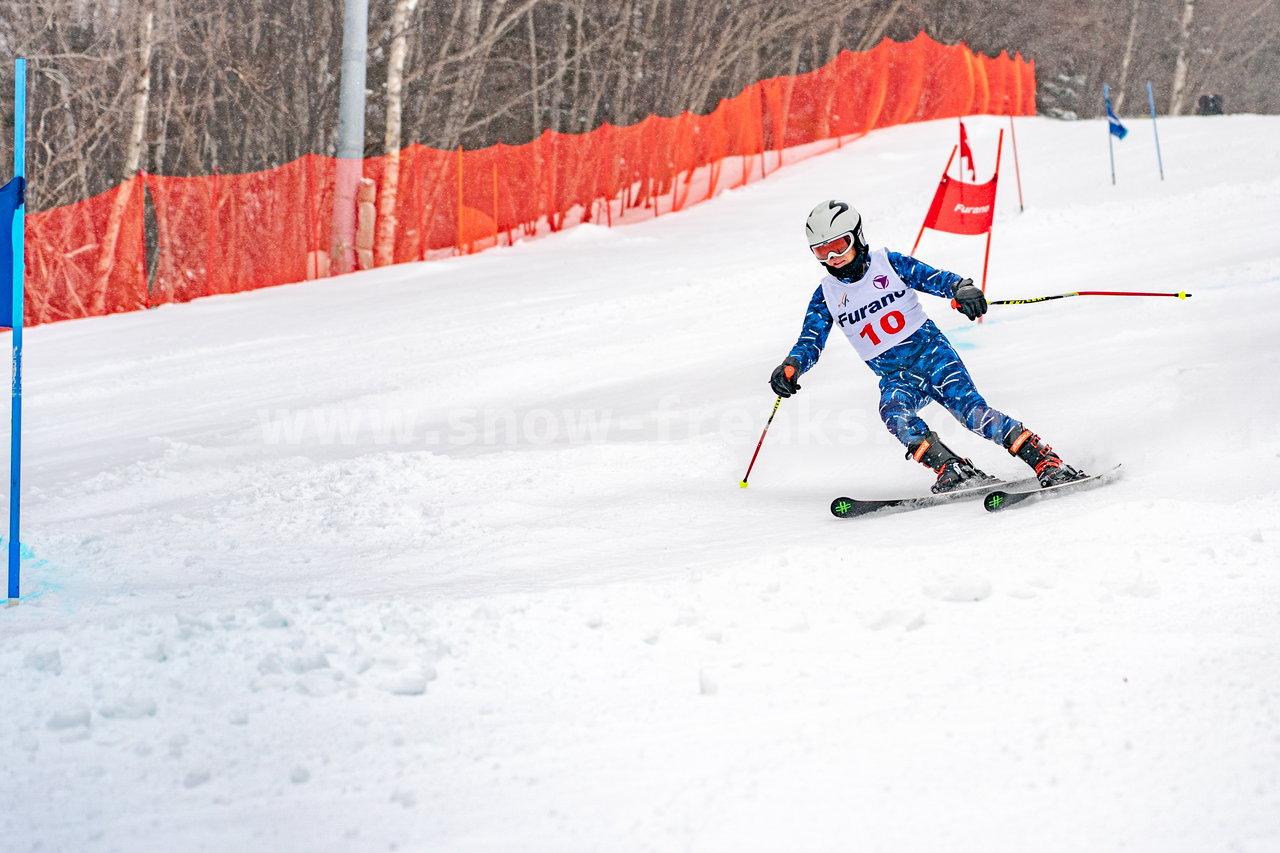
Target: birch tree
{"points": [[141, 95], [1127, 59], [248, 85], [388, 191], [1179, 90]]}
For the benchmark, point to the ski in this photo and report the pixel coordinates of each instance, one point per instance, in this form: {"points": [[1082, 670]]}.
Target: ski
{"points": [[845, 507], [1003, 498]]}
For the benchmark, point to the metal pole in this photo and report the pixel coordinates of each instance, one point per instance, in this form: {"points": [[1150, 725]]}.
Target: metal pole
{"points": [[19, 271], [1151, 99], [355, 39]]}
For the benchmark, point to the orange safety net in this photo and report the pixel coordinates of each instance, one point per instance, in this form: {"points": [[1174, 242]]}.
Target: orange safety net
{"points": [[227, 233], [72, 270]]}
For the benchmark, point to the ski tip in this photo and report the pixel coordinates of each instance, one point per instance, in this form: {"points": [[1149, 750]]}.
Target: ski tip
{"points": [[994, 500], [843, 507]]}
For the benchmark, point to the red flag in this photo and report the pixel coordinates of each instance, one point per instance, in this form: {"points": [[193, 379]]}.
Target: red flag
{"points": [[962, 208], [966, 152]]}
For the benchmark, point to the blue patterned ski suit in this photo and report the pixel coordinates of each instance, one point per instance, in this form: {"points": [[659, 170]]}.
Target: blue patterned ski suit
{"points": [[923, 369]]}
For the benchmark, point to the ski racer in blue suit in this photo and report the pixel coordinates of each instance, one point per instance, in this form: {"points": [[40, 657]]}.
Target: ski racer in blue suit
{"points": [[871, 297]]}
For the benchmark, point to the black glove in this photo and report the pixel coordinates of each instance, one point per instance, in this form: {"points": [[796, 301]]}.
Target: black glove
{"points": [[784, 380], [969, 300]]}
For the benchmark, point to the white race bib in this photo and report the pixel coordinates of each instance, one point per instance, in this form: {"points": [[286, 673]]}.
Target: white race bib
{"points": [[878, 311]]}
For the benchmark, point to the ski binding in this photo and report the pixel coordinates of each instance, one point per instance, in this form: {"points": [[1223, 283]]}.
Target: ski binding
{"points": [[1000, 499]]}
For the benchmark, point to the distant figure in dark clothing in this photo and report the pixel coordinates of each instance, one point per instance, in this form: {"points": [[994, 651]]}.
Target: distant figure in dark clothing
{"points": [[1210, 105]]}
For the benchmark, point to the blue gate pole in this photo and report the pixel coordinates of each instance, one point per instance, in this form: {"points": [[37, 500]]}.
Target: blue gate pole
{"points": [[1106, 100], [19, 271], [1151, 99]]}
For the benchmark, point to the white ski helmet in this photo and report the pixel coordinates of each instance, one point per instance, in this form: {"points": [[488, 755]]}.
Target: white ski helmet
{"points": [[828, 223]]}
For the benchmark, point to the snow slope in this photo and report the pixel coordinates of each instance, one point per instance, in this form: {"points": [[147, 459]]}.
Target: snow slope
{"points": [[453, 557]]}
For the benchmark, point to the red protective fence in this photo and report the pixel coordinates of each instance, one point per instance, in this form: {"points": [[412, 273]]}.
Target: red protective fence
{"points": [[228, 233], [72, 271]]}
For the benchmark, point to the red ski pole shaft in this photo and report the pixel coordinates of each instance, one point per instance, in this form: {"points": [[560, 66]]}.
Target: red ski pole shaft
{"points": [[1181, 294], [789, 371]]}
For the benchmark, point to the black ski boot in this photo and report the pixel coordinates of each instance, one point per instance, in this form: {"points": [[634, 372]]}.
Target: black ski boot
{"points": [[1049, 467], [953, 471]]}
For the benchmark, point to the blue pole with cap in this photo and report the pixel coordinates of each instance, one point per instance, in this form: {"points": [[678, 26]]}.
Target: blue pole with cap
{"points": [[1106, 100], [1151, 99], [19, 271]]}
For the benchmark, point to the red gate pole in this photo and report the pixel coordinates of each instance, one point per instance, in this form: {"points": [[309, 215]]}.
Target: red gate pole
{"points": [[945, 169], [986, 257]]}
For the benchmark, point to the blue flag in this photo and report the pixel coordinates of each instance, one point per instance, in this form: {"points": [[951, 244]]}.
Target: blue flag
{"points": [[11, 196], [1118, 130]]}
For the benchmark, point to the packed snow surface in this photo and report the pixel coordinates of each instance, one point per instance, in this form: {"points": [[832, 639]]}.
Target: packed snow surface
{"points": [[453, 556]]}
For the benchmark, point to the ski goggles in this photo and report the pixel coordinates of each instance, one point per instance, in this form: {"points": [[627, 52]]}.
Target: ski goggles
{"points": [[833, 247]]}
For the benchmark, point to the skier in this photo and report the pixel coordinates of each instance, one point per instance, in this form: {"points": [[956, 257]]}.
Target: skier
{"points": [[871, 296]]}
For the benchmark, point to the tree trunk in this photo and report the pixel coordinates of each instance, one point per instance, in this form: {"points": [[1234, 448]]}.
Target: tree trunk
{"points": [[1127, 59], [1179, 94], [132, 157], [875, 33], [535, 118], [384, 252]]}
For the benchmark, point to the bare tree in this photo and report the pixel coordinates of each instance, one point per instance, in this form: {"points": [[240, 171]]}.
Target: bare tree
{"points": [[141, 85], [875, 33], [387, 192], [1127, 59], [1237, 49], [1179, 88], [249, 85]]}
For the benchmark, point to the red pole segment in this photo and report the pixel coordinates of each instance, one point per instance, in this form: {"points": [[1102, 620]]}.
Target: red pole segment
{"points": [[986, 256], [945, 169], [1182, 294]]}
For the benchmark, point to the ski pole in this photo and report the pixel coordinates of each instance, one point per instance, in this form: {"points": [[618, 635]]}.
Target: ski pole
{"points": [[1182, 294], [789, 371]]}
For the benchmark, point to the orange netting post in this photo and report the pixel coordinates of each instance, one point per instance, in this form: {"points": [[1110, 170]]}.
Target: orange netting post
{"points": [[458, 244]]}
